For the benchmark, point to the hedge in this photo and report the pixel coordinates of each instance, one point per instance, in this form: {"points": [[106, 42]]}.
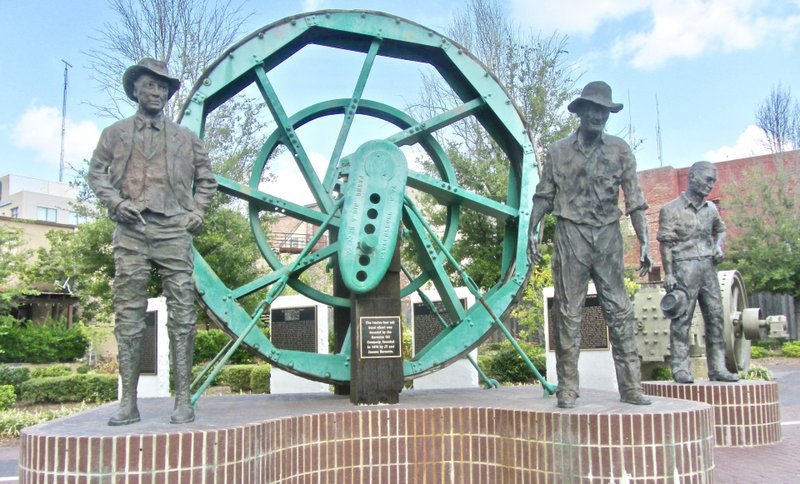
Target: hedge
{"points": [[791, 349], [7, 397], [14, 376], [41, 344], [507, 365], [259, 379], [47, 371], [209, 343], [71, 388]]}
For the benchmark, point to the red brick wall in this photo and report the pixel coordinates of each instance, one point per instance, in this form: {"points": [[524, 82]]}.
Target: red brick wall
{"points": [[661, 185]]}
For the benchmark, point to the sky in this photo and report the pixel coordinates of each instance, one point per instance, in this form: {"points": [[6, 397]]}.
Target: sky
{"points": [[697, 68]]}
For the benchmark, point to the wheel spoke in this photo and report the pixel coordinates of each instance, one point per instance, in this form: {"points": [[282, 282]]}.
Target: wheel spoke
{"points": [[349, 115], [414, 133], [272, 277], [447, 194], [265, 201], [292, 142], [432, 262]]}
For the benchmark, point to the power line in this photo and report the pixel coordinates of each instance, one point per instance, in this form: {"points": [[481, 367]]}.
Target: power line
{"points": [[67, 65]]}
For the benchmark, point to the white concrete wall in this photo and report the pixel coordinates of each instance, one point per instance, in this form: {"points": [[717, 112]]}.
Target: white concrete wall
{"points": [[595, 367]]}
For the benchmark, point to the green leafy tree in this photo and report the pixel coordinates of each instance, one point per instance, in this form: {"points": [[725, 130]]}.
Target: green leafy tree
{"points": [[535, 72], [12, 262], [763, 217]]}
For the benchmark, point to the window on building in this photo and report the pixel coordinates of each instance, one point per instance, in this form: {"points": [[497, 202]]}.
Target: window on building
{"points": [[15, 212], [46, 214], [75, 219]]}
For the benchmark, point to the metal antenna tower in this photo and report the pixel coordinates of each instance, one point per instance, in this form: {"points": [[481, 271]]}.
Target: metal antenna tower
{"points": [[658, 135], [67, 65]]}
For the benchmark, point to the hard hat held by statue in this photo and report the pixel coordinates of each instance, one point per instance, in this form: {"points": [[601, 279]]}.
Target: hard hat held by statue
{"points": [[155, 178], [691, 234]]}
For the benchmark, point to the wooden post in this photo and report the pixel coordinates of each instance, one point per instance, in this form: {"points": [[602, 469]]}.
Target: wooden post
{"points": [[376, 362]]}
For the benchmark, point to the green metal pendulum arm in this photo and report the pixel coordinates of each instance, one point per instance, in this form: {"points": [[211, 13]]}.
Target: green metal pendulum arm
{"points": [[549, 388], [275, 291], [487, 382]]}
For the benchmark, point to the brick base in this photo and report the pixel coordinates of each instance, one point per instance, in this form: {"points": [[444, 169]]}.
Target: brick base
{"points": [[746, 413], [603, 442]]}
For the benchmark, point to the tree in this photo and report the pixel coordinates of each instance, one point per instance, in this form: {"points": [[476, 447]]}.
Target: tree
{"points": [[778, 116], [12, 262], [537, 76], [187, 34], [764, 218]]}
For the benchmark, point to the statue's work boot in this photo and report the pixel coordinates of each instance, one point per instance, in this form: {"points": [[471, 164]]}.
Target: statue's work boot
{"points": [[682, 376], [126, 414], [183, 413], [635, 397], [723, 375], [566, 399]]}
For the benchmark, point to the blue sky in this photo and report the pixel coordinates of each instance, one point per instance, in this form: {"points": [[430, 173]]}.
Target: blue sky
{"points": [[710, 63]]}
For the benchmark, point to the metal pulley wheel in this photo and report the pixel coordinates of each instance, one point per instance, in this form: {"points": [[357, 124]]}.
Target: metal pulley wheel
{"points": [[736, 318], [358, 216]]}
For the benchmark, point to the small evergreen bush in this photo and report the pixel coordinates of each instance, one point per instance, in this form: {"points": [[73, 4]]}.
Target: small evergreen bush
{"points": [[757, 372], [53, 343], [14, 376], [259, 379], [47, 371], [71, 388], [507, 366], [791, 349], [7, 397], [237, 377], [209, 343], [759, 352]]}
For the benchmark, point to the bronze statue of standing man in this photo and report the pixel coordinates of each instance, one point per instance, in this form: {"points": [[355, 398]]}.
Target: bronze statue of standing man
{"points": [[155, 178], [691, 234], [580, 185]]}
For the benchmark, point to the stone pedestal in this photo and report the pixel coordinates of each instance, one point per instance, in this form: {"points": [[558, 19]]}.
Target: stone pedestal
{"points": [[746, 413]]}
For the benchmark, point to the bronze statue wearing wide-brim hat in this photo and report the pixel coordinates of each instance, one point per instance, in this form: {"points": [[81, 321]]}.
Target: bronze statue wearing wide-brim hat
{"points": [[149, 66], [597, 92]]}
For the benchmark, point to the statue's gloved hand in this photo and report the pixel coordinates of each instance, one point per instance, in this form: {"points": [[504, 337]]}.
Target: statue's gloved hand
{"points": [[127, 213], [670, 282], [718, 255], [645, 261], [534, 255], [194, 223]]}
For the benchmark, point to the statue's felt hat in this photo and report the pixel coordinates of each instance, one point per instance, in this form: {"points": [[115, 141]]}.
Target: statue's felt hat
{"points": [[675, 303], [149, 66], [597, 92]]}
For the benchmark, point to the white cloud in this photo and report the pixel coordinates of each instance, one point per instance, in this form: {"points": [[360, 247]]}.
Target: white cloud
{"points": [[312, 5], [288, 182], [751, 142], [39, 129], [675, 28], [575, 17], [691, 28]]}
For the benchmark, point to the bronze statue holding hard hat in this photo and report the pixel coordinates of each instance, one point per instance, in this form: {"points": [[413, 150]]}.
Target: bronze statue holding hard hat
{"points": [[691, 234]]}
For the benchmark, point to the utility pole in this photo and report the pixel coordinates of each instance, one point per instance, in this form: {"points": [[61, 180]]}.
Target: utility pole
{"points": [[67, 65]]}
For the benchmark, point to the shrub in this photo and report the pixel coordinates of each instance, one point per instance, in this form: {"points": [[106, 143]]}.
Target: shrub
{"points": [[661, 373], [758, 373], [41, 344], [508, 366], [14, 376], [237, 377], [209, 343], [259, 379], [7, 397], [791, 349], [759, 352], [48, 371], [72, 388], [12, 420]]}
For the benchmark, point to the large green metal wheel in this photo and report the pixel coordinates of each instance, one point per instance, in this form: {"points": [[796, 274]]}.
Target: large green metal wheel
{"points": [[373, 35]]}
